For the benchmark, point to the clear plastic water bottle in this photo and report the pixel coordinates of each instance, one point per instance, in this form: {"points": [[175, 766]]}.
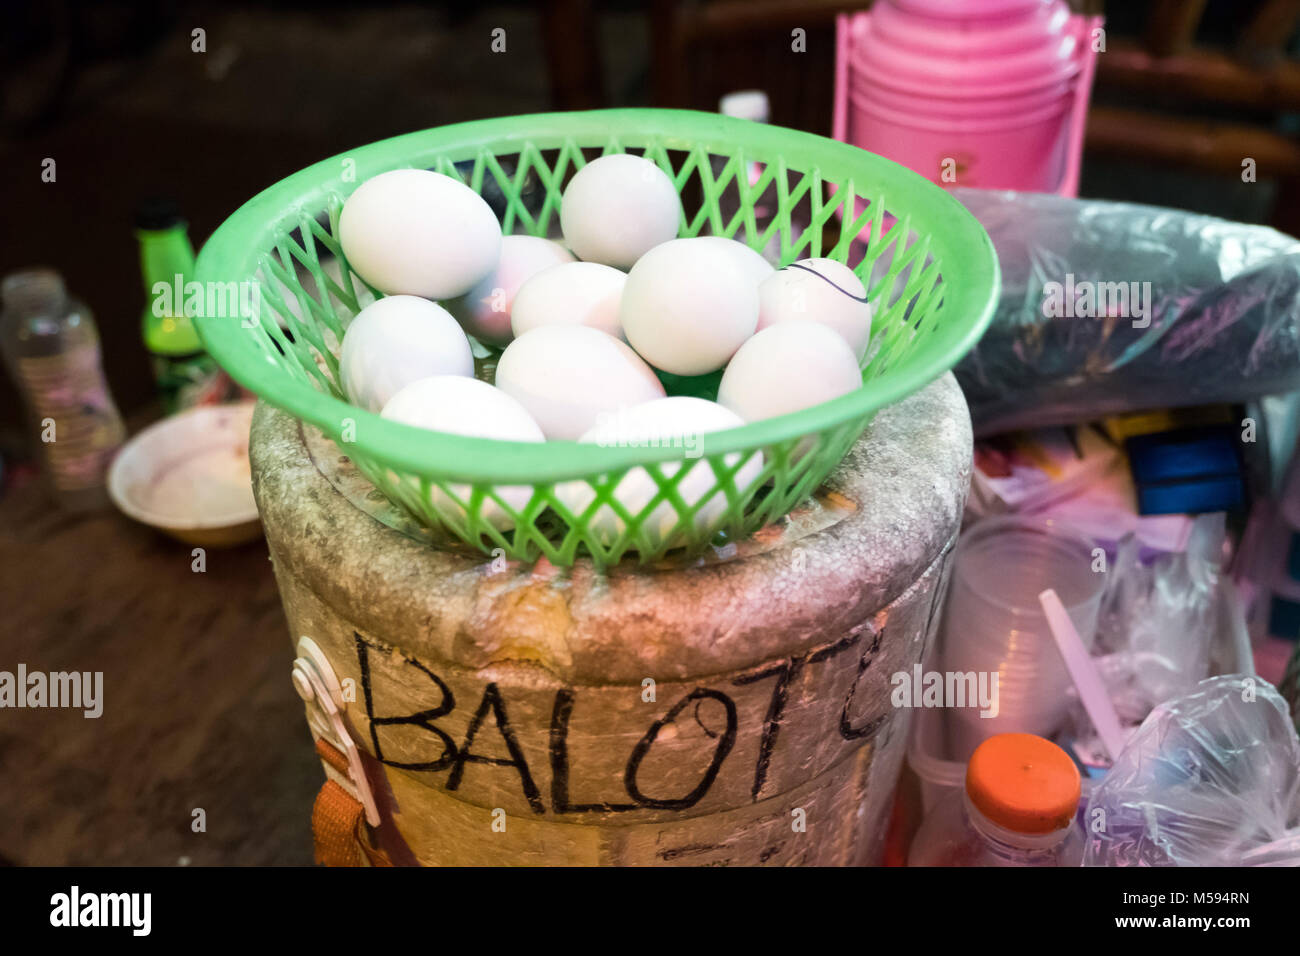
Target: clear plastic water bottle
{"points": [[51, 348], [1018, 808]]}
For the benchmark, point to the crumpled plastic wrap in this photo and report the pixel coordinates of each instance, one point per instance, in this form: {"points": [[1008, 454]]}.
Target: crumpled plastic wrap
{"points": [[1224, 312], [1158, 621], [1211, 778]]}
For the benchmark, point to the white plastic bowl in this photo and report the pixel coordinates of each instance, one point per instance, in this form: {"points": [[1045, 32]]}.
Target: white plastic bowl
{"points": [[188, 476]]}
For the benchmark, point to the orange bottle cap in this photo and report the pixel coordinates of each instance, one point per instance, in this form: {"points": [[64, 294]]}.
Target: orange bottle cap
{"points": [[1024, 783]]}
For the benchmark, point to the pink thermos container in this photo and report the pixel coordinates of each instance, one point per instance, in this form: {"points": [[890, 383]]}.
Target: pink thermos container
{"points": [[986, 93]]}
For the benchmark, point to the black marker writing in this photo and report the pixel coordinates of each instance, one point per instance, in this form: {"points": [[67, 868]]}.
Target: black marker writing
{"points": [[847, 730], [560, 762], [492, 701], [423, 719], [725, 742], [812, 271], [785, 672]]}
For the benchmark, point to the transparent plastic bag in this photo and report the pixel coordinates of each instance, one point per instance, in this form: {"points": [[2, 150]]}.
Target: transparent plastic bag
{"points": [[1211, 778], [1158, 621], [1221, 304]]}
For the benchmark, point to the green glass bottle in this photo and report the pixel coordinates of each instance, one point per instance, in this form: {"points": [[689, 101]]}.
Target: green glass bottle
{"points": [[186, 375]]}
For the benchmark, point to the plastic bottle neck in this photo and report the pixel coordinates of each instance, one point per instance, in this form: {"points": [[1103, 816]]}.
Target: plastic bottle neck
{"points": [[165, 254], [34, 292], [1010, 841], [167, 264]]}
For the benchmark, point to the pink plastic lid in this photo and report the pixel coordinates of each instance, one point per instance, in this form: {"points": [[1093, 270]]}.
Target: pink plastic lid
{"points": [[968, 9], [951, 35], [967, 58]]}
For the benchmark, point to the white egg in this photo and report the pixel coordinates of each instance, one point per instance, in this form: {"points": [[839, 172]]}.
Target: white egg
{"points": [[466, 406], [688, 306], [618, 207], [573, 293], [395, 341], [787, 367], [679, 421], [485, 311], [756, 267], [417, 232], [568, 375], [822, 291]]}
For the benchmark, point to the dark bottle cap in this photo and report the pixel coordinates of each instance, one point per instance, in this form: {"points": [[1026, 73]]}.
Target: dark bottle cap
{"points": [[157, 213]]}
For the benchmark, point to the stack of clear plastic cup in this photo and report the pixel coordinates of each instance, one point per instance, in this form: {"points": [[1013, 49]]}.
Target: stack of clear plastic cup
{"points": [[993, 624]]}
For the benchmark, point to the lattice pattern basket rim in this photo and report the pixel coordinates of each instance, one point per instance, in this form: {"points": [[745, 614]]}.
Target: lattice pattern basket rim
{"points": [[929, 268], [958, 245]]}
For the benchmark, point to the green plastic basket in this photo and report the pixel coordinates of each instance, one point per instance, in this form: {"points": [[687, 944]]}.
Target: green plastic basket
{"points": [[929, 268]]}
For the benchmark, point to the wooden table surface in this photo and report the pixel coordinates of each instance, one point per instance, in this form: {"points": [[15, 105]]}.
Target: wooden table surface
{"points": [[198, 709]]}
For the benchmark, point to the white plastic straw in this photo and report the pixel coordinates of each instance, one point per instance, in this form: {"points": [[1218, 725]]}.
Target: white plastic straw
{"points": [[1084, 673]]}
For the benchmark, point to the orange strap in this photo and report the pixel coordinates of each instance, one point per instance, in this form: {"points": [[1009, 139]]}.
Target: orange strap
{"points": [[334, 822], [338, 822], [332, 756]]}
